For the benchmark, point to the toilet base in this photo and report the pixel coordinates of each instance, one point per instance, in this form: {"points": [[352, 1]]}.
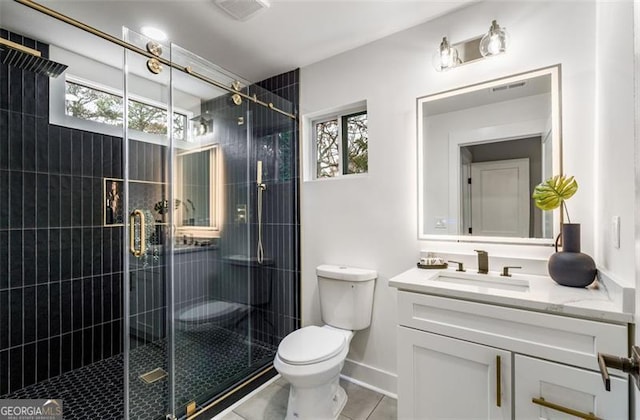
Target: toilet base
{"points": [[324, 402]]}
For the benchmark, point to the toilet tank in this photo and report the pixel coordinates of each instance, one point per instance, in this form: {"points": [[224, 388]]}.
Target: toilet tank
{"points": [[346, 296]]}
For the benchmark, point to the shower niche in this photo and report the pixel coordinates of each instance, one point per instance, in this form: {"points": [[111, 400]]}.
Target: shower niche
{"points": [[127, 270]]}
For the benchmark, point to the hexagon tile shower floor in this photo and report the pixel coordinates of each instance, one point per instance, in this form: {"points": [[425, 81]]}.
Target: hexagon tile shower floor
{"points": [[204, 360]]}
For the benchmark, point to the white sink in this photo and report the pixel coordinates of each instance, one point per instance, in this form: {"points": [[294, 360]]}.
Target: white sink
{"points": [[489, 281]]}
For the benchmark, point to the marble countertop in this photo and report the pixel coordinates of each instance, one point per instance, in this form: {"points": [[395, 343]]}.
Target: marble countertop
{"points": [[542, 293]]}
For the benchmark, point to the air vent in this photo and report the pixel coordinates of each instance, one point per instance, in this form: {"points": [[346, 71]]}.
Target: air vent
{"points": [[242, 9], [511, 86]]}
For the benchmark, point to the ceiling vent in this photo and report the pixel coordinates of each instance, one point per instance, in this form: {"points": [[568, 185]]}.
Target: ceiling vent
{"points": [[511, 86], [242, 9]]}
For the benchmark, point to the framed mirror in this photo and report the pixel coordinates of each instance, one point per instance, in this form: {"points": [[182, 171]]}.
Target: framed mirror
{"points": [[481, 151], [198, 186]]}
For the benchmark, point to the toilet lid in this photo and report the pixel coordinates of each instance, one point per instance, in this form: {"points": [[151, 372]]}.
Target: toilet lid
{"points": [[310, 345], [211, 311]]}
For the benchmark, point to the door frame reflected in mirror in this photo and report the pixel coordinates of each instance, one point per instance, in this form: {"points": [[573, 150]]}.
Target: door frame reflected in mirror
{"points": [[482, 135]]}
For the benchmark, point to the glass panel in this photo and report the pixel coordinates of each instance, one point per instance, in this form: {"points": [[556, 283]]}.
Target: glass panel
{"points": [[147, 287], [275, 287], [212, 265], [327, 148], [67, 315], [357, 143]]}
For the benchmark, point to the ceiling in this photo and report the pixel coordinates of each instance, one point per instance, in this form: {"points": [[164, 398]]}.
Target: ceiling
{"points": [[288, 35]]}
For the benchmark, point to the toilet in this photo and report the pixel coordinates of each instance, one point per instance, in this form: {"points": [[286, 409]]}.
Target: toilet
{"points": [[242, 284], [312, 357]]}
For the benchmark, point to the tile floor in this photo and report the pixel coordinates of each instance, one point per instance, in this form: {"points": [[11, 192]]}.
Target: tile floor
{"points": [[270, 403], [203, 365]]}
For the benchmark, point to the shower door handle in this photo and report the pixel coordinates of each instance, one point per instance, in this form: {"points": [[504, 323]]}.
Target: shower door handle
{"points": [[141, 239]]}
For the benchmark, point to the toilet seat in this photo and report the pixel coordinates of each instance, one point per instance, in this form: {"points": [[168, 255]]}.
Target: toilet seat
{"points": [[311, 345]]}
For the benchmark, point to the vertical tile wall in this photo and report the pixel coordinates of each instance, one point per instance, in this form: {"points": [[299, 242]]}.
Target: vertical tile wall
{"points": [[275, 143], [272, 288], [60, 269], [147, 288]]}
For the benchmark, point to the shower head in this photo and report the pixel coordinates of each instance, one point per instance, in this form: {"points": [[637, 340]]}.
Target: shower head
{"points": [[28, 59]]}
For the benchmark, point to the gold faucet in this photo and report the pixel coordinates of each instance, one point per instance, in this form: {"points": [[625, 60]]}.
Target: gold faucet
{"points": [[483, 261]]}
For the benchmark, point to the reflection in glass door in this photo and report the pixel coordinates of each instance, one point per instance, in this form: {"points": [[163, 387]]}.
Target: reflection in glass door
{"points": [[195, 288], [200, 309], [210, 307], [148, 378]]}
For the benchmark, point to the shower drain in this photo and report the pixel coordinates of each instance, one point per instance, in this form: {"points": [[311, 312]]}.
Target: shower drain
{"points": [[153, 376]]}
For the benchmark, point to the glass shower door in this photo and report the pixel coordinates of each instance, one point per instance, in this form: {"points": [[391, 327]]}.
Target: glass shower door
{"points": [[212, 273], [147, 198], [200, 306]]}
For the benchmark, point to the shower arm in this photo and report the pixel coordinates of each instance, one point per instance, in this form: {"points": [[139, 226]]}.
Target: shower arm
{"points": [[185, 69]]}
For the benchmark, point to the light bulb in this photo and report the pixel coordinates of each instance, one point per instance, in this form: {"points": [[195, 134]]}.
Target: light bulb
{"points": [[202, 130], [494, 45], [445, 56], [494, 42]]}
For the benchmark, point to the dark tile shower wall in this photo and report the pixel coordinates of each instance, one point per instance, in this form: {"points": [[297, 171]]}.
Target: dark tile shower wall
{"points": [[148, 304], [60, 268], [275, 143], [273, 139]]}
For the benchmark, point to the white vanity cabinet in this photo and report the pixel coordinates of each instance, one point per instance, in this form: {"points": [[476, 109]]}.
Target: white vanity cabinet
{"points": [[441, 377], [543, 387], [464, 359]]}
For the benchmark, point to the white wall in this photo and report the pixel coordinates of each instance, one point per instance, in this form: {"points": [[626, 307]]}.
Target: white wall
{"points": [[372, 221], [614, 164]]}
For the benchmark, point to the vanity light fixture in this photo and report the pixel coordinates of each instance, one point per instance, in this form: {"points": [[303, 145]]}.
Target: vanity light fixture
{"points": [[201, 125], [492, 43], [446, 56]]}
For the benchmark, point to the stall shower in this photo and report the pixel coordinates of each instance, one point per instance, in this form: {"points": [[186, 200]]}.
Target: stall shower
{"points": [[131, 285]]}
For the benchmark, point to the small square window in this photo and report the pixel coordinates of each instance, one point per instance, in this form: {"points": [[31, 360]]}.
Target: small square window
{"points": [[341, 144]]}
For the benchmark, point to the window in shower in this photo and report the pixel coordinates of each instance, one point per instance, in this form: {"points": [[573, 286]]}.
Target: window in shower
{"points": [[100, 104], [341, 144]]}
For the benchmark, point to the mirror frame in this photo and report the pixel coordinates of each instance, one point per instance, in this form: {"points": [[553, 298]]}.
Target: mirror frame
{"points": [[215, 193], [556, 133]]}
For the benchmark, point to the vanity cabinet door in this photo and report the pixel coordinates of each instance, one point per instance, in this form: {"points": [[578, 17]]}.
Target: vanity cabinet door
{"points": [[441, 377], [565, 387]]}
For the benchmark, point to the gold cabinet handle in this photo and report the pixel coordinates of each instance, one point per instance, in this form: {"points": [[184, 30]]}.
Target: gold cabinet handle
{"points": [[587, 416], [498, 381], [132, 233]]}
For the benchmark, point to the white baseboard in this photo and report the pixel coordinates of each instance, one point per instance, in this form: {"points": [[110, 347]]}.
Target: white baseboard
{"points": [[371, 377]]}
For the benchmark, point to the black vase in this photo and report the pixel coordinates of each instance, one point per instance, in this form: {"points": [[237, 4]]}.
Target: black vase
{"points": [[570, 267]]}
